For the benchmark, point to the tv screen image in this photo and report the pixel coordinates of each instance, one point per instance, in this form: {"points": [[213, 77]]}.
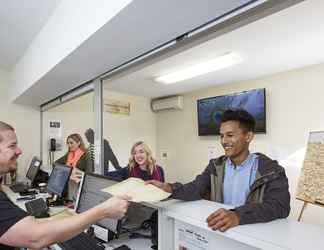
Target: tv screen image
{"points": [[210, 110]]}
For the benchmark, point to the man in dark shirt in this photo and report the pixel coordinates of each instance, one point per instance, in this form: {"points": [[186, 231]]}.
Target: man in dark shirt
{"points": [[17, 229], [10, 215]]}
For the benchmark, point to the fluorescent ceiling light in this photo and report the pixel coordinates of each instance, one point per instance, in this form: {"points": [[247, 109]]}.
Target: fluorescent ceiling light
{"points": [[224, 61]]}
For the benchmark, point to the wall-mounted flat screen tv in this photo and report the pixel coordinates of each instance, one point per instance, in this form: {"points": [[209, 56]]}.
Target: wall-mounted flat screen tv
{"points": [[211, 109]]}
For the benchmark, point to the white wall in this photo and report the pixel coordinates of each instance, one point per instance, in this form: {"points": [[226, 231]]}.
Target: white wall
{"points": [[25, 120], [294, 107], [122, 131]]}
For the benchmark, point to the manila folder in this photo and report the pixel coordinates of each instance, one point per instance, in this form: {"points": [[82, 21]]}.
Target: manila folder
{"points": [[138, 190]]}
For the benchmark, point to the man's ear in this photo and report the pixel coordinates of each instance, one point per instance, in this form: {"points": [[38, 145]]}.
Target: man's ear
{"points": [[249, 136]]}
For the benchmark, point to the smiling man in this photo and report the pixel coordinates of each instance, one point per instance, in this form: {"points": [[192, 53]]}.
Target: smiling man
{"points": [[17, 229], [251, 182]]}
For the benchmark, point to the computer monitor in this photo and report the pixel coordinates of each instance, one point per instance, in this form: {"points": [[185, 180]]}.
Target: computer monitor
{"points": [[91, 195], [33, 169], [58, 180]]}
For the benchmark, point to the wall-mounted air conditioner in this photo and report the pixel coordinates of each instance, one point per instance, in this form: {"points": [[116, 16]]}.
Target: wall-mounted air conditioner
{"points": [[167, 103]]}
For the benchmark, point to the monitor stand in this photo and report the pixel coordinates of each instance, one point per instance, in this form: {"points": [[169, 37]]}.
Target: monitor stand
{"points": [[54, 200]]}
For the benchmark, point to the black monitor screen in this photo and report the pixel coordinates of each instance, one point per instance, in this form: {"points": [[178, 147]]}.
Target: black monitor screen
{"points": [[33, 169], [91, 195], [210, 110], [58, 179]]}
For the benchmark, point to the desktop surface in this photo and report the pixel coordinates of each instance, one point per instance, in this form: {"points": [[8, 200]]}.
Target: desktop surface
{"points": [[13, 197]]}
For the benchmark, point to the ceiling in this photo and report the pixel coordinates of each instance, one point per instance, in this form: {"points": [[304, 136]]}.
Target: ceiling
{"points": [[136, 29], [20, 22], [289, 39]]}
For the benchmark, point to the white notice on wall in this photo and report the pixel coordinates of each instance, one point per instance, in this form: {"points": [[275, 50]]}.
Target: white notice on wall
{"points": [[55, 129], [164, 154]]}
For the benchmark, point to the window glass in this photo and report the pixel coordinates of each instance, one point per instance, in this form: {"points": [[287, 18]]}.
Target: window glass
{"points": [[127, 119], [72, 118]]}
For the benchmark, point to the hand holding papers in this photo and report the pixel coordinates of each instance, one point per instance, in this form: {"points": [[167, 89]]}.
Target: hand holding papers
{"points": [[138, 190]]}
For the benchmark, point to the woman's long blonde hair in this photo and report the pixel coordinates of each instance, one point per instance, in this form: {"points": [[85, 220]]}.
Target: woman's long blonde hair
{"points": [[77, 138], [151, 162]]}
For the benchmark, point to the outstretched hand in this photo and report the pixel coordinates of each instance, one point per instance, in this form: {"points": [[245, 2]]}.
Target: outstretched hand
{"points": [[223, 219], [164, 186], [116, 207]]}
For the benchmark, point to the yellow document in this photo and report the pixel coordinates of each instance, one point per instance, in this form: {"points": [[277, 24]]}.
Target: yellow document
{"points": [[138, 190]]}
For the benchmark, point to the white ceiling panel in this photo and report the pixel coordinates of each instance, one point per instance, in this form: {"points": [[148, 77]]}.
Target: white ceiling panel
{"points": [[20, 22], [290, 39], [139, 27]]}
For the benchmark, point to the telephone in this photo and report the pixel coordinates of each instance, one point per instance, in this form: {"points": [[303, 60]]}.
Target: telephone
{"points": [[52, 145], [52, 149]]}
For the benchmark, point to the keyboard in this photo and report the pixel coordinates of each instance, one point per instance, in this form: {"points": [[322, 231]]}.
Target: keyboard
{"points": [[19, 187], [81, 242]]}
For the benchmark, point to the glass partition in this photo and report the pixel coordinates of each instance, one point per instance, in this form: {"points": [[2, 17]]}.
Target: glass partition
{"points": [[68, 120], [127, 119]]}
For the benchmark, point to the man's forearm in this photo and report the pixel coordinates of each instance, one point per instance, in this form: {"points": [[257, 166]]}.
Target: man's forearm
{"points": [[261, 212], [195, 189], [63, 229], [38, 233]]}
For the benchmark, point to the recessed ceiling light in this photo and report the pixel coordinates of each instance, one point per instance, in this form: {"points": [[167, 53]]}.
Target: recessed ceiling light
{"points": [[223, 61]]}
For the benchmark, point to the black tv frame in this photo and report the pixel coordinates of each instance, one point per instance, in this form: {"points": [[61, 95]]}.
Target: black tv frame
{"points": [[232, 94]]}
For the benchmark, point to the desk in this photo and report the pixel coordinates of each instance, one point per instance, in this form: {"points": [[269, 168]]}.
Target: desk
{"points": [[132, 243], [176, 216], [13, 196], [276, 235]]}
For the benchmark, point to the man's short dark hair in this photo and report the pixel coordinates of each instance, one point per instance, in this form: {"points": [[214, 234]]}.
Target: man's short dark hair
{"points": [[246, 120]]}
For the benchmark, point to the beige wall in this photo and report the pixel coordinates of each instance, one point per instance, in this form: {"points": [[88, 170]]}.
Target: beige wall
{"points": [[26, 122], [123, 131], [294, 107]]}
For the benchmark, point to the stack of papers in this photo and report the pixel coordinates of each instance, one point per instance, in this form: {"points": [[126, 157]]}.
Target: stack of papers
{"points": [[138, 190]]}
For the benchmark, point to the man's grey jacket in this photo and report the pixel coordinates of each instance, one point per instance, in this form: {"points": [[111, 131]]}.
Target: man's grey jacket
{"points": [[268, 199]]}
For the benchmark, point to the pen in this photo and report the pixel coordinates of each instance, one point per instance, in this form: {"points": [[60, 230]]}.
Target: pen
{"points": [[26, 198]]}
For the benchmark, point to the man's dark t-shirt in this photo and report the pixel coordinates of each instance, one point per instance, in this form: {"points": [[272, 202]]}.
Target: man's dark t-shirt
{"points": [[10, 214]]}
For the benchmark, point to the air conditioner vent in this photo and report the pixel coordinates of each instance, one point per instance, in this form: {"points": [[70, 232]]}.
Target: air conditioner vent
{"points": [[167, 103]]}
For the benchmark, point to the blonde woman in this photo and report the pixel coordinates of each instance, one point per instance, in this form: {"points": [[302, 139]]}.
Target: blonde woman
{"points": [[141, 165]]}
